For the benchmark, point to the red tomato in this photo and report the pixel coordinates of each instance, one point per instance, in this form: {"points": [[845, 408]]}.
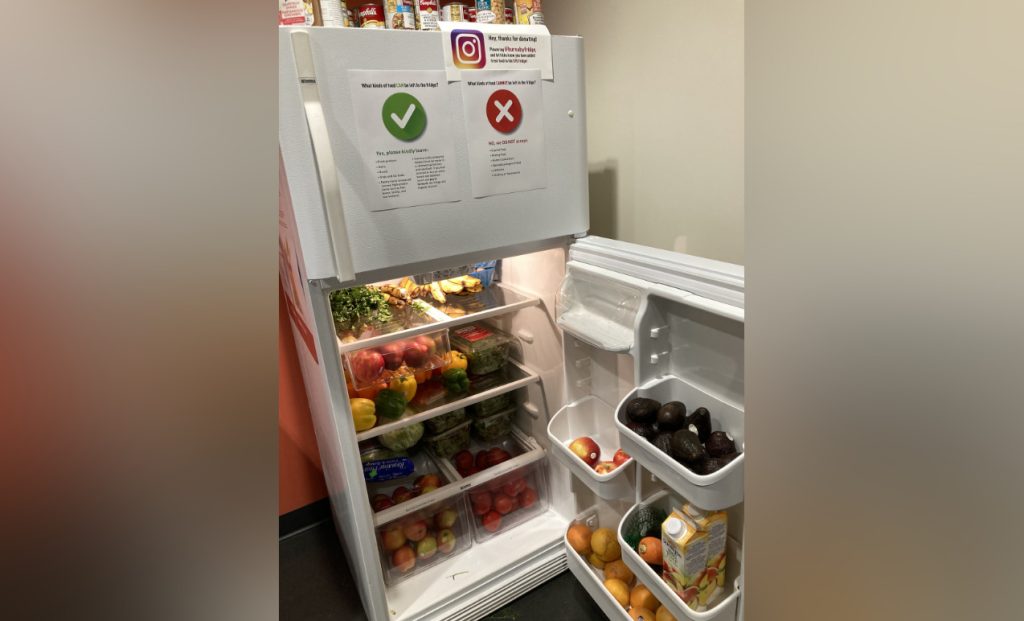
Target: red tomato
{"points": [[492, 521], [481, 502], [504, 503], [527, 498], [514, 487]]}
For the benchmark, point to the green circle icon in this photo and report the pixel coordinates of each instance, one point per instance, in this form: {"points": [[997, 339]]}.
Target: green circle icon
{"points": [[404, 116]]}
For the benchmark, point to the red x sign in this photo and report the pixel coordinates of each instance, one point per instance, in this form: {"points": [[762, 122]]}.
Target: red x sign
{"points": [[503, 111]]}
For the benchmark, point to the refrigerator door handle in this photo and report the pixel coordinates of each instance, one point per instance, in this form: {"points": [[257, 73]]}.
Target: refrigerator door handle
{"points": [[327, 172]]}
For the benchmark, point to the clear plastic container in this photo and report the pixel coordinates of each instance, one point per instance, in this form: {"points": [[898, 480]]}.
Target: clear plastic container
{"points": [[482, 455], [446, 421], [486, 348], [507, 501], [424, 538], [491, 406], [494, 427], [450, 442], [424, 477], [417, 356]]}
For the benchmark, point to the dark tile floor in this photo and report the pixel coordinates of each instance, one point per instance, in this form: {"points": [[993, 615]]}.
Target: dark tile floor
{"points": [[316, 585]]}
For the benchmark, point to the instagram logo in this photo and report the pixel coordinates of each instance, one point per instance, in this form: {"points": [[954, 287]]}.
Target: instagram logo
{"points": [[468, 49]]}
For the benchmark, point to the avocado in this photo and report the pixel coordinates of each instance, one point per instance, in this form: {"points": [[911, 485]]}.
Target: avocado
{"points": [[720, 444], [701, 419], [686, 448], [714, 464], [642, 410], [646, 430], [672, 416], [664, 442]]}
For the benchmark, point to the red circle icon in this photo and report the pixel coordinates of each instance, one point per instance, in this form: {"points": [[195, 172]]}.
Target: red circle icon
{"points": [[503, 111]]}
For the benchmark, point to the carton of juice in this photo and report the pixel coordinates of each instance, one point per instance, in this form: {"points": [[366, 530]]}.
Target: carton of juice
{"points": [[685, 556], [716, 525]]}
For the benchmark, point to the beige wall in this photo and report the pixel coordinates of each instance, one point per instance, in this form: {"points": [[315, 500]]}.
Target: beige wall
{"points": [[665, 120]]}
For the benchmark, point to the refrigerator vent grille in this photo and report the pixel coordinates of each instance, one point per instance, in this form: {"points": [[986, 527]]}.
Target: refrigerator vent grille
{"points": [[499, 597]]}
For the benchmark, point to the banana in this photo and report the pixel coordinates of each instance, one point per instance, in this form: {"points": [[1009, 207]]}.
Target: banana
{"points": [[437, 293], [450, 286]]}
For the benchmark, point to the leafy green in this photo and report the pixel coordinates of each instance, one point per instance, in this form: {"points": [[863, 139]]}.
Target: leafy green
{"points": [[404, 438], [358, 306]]}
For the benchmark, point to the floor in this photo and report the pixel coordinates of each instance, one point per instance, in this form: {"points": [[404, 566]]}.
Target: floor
{"points": [[316, 585]]}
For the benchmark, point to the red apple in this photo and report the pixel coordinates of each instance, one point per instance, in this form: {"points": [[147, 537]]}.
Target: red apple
{"points": [[504, 503], [415, 354], [403, 559], [527, 498], [427, 480], [393, 354], [586, 449], [445, 541], [481, 502], [414, 531], [381, 502], [463, 459], [620, 457], [514, 486], [604, 467], [401, 494], [446, 518], [426, 547], [492, 521], [367, 365], [393, 538], [427, 342]]}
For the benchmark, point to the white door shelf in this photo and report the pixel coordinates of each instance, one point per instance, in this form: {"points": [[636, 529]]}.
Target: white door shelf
{"points": [[591, 417], [586, 575]]}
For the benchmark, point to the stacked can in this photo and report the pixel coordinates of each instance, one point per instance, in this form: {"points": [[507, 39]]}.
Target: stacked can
{"points": [[371, 15], [471, 13], [510, 15], [529, 12], [398, 15], [490, 11], [454, 11], [426, 14]]}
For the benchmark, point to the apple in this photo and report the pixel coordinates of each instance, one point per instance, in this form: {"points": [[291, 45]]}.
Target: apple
{"points": [[586, 449], [492, 521], [605, 467], [416, 354], [527, 498], [445, 541], [503, 503], [446, 518], [392, 353], [414, 531], [426, 547], [401, 494], [428, 343], [381, 502], [366, 365], [463, 459], [427, 480], [393, 538], [514, 487], [404, 559], [481, 460], [620, 457], [481, 502]]}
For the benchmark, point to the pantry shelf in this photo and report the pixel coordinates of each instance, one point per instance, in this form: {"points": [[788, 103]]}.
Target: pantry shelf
{"points": [[513, 376], [498, 299]]}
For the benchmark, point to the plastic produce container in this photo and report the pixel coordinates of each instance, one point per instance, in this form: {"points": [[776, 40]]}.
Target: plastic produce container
{"points": [[491, 406], [374, 367], [494, 427], [420, 474], [424, 538], [446, 421], [485, 347], [507, 501], [450, 442]]}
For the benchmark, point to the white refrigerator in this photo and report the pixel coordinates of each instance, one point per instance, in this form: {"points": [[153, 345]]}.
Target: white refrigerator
{"points": [[595, 323]]}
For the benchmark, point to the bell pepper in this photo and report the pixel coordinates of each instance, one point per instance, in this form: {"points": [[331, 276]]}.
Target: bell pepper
{"points": [[363, 413], [405, 384], [390, 404], [455, 360], [455, 381]]}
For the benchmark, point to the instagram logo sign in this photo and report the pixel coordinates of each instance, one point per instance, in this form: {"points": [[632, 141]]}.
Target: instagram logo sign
{"points": [[468, 49]]}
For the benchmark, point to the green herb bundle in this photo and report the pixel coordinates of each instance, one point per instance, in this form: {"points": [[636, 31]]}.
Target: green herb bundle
{"points": [[359, 306]]}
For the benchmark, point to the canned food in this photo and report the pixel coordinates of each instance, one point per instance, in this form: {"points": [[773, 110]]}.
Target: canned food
{"points": [[510, 15], [296, 13], [453, 11], [350, 20], [332, 14], [529, 12], [471, 13], [371, 15], [490, 11], [398, 15], [426, 14]]}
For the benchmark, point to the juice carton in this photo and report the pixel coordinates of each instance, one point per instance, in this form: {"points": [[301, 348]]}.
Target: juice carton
{"points": [[685, 556], [716, 525]]}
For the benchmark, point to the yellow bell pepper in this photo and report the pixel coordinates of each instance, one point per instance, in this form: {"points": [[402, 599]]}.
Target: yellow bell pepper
{"points": [[363, 413], [455, 360], [405, 384]]}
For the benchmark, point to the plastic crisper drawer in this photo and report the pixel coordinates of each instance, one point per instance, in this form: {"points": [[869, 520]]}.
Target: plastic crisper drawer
{"points": [[722, 607], [592, 417], [718, 490], [430, 535]]}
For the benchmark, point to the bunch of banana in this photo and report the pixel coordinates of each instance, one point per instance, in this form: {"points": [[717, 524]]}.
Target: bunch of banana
{"points": [[438, 290]]}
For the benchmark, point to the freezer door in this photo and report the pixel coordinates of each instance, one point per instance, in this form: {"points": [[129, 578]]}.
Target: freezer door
{"points": [[343, 236]]}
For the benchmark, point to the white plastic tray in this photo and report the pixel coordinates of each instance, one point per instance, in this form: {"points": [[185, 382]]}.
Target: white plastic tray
{"points": [[590, 416], [718, 490], [588, 576], [723, 610]]}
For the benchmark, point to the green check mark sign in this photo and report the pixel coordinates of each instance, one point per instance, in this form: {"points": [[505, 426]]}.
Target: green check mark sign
{"points": [[404, 116]]}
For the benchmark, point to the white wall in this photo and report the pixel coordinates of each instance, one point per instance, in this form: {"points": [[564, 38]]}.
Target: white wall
{"points": [[665, 120]]}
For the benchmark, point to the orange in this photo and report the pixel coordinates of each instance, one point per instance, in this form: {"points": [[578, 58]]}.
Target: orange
{"points": [[641, 597], [595, 560], [605, 545], [641, 614], [579, 539], [663, 615], [618, 569], [619, 590]]}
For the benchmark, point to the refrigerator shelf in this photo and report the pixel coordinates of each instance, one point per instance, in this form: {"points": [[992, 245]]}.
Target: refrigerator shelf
{"points": [[718, 490], [592, 417], [496, 300], [513, 376], [725, 604]]}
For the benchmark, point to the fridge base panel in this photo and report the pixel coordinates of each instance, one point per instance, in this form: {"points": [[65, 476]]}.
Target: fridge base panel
{"points": [[485, 578]]}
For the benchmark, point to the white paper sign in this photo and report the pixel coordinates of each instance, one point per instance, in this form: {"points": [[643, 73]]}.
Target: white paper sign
{"points": [[504, 113], [404, 125], [472, 47]]}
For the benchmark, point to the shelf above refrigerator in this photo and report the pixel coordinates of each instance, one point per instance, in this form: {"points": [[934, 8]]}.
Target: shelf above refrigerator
{"points": [[591, 417], [718, 490], [514, 375], [498, 299], [722, 605]]}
